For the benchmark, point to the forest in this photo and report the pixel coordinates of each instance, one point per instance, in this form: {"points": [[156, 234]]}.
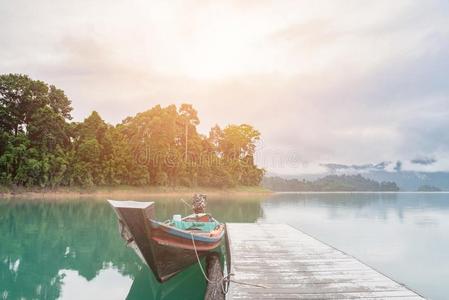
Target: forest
{"points": [[330, 183], [40, 145]]}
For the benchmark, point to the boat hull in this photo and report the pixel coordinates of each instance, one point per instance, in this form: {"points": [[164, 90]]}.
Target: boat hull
{"points": [[165, 249]]}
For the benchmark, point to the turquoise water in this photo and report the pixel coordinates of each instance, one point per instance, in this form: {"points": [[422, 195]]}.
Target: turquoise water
{"points": [[56, 249]]}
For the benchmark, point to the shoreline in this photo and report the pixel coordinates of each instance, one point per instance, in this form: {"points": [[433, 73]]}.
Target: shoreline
{"points": [[152, 192], [130, 191], [360, 192]]}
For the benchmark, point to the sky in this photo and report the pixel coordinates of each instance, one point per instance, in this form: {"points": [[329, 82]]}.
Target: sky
{"points": [[346, 83]]}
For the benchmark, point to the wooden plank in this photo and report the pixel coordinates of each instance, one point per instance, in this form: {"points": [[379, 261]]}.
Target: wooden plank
{"points": [[313, 278], [293, 265], [365, 296]]}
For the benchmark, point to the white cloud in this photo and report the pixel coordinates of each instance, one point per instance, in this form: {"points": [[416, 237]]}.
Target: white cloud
{"points": [[352, 82]]}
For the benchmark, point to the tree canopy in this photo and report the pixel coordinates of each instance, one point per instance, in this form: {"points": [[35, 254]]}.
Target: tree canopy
{"points": [[41, 146]]}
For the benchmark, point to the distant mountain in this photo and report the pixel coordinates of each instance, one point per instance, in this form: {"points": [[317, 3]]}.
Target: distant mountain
{"points": [[405, 180], [350, 183], [412, 181]]}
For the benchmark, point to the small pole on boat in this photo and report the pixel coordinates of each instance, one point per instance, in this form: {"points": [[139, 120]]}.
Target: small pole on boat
{"points": [[186, 204], [186, 135]]}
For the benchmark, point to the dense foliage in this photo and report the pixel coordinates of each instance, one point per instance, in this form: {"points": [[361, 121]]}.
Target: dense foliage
{"points": [[39, 146], [330, 183]]}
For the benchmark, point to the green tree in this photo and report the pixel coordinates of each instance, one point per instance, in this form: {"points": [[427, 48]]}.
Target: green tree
{"points": [[39, 146], [21, 97], [48, 130]]}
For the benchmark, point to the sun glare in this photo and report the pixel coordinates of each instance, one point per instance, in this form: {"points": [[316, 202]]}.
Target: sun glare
{"points": [[216, 54]]}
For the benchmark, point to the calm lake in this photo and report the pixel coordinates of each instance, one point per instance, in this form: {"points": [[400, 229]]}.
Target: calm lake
{"points": [[56, 249]]}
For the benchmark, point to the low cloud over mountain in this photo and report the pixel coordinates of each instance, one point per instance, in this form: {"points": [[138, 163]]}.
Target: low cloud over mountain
{"points": [[333, 167], [423, 161]]}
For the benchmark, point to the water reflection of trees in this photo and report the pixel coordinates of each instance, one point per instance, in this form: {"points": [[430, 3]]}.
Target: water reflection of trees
{"points": [[188, 285], [237, 209], [40, 238], [378, 205], [224, 209]]}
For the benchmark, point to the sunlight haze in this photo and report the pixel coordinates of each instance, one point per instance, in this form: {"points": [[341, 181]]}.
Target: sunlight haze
{"points": [[349, 82]]}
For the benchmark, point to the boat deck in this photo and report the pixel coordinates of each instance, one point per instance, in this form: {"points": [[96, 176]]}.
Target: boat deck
{"points": [[290, 264]]}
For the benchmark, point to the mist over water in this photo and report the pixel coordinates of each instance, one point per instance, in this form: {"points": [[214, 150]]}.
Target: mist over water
{"points": [[403, 235], [71, 249]]}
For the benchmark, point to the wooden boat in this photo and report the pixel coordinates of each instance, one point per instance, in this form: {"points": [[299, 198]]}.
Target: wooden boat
{"points": [[171, 246]]}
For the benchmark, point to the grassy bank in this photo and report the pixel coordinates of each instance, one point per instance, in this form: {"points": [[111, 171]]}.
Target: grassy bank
{"points": [[128, 191]]}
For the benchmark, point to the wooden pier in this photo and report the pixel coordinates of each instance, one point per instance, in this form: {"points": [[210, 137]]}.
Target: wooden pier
{"points": [[290, 264]]}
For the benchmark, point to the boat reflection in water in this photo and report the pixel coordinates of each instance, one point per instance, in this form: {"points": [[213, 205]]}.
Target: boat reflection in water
{"points": [[70, 249], [188, 284]]}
